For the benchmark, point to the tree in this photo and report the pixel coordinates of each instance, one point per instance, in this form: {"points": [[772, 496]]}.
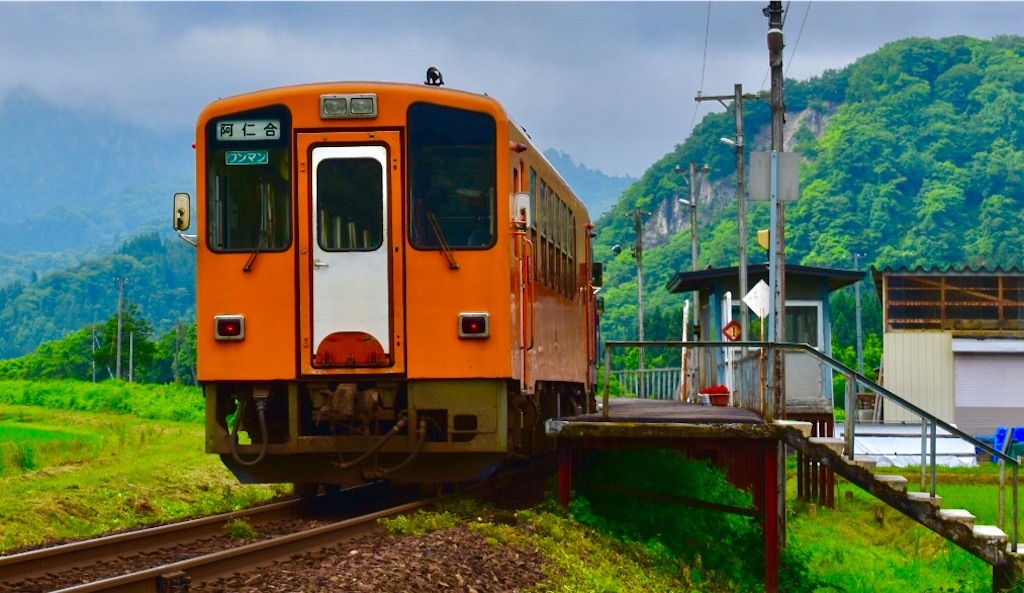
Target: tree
{"points": [[134, 329]]}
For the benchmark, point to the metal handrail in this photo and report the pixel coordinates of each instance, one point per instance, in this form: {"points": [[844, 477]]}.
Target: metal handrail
{"points": [[853, 378]]}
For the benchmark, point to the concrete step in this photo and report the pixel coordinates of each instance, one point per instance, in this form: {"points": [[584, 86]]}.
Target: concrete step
{"points": [[925, 497], [959, 515], [837, 445], [990, 534], [865, 461], [804, 427], [898, 483]]}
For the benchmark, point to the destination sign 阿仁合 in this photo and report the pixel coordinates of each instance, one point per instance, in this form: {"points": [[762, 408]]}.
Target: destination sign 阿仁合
{"points": [[249, 129]]}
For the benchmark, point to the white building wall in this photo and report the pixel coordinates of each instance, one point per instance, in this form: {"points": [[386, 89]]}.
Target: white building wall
{"points": [[918, 366]]}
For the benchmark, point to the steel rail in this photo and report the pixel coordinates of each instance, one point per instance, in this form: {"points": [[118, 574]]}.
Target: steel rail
{"points": [[54, 559], [177, 576]]}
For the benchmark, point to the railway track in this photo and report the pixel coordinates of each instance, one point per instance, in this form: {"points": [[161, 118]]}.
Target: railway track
{"points": [[171, 558], [177, 577], [111, 558]]}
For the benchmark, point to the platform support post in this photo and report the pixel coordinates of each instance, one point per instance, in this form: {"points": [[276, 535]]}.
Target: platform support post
{"points": [[772, 525], [564, 473]]}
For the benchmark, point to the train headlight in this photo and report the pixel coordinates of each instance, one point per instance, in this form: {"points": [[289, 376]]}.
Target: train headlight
{"points": [[357, 105], [229, 327], [474, 325]]}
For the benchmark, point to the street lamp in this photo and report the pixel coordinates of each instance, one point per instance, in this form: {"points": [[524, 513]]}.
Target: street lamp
{"points": [[694, 250]]}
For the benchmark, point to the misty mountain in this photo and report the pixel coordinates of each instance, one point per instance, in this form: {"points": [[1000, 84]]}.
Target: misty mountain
{"points": [[75, 186], [598, 191]]}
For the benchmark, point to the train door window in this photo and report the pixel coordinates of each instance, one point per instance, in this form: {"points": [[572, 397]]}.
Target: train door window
{"points": [[350, 216], [248, 181], [453, 173]]}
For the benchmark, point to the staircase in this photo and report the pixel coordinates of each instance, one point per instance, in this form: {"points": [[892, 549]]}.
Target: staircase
{"points": [[987, 542]]}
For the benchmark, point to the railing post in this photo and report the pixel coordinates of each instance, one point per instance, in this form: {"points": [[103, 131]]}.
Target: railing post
{"points": [[1016, 476], [607, 381], [851, 413], [935, 428], [924, 452], [1002, 494]]}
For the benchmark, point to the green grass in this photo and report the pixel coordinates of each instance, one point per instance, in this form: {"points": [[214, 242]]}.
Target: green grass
{"points": [[104, 460], [69, 474]]}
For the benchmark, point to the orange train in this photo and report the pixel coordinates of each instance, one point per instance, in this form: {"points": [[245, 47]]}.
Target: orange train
{"points": [[392, 283]]}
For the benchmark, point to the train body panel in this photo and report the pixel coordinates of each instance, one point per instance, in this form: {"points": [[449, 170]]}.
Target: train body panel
{"points": [[392, 282]]}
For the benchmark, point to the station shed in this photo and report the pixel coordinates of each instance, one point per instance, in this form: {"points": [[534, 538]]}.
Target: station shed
{"points": [[953, 344], [808, 383]]}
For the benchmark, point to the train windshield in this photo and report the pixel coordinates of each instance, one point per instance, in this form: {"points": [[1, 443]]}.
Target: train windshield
{"points": [[453, 171], [248, 187]]}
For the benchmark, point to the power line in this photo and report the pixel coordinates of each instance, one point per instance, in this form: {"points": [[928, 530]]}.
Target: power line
{"points": [[704, 63], [792, 54]]}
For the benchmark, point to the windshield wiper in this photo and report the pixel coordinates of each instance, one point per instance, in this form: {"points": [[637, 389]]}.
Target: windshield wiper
{"points": [[264, 238], [444, 242]]}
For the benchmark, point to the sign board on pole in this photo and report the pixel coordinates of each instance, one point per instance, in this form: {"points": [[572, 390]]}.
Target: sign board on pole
{"points": [[732, 331], [758, 299], [761, 176]]}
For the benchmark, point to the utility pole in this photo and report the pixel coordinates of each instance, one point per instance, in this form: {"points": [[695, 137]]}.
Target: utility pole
{"points": [[93, 353], [694, 258], [131, 357], [741, 197], [860, 334], [775, 530], [121, 281], [638, 254], [777, 258]]}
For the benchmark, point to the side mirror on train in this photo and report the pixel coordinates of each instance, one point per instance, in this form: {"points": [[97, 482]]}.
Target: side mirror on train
{"points": [[522, 212], [182, 212], [600, 305], [597, 274]]}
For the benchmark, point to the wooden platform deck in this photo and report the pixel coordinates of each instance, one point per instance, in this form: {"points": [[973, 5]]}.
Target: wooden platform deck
{"points": [[657, 419]]}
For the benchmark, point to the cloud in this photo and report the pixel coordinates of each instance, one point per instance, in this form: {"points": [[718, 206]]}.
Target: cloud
{"points": [[611, 83]]}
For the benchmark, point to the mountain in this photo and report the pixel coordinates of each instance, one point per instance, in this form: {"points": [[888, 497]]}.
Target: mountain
{"points": [[88, 198], [160, 277], [913, 156], [598, 191], [76, 185]]}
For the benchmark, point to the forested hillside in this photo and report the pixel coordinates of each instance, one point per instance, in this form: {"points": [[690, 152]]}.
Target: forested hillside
{"points": [[912, 156], [160, 282]]}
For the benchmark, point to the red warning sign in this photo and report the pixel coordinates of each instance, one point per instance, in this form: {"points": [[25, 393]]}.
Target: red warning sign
{"points": [[732, 331]]}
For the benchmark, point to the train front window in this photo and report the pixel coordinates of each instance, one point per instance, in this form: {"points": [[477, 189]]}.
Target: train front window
{"points": [[453, 171], [248, 181]]}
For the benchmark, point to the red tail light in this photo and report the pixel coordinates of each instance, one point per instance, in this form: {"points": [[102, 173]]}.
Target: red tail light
{"points": [[474, 325], [229, 327]]}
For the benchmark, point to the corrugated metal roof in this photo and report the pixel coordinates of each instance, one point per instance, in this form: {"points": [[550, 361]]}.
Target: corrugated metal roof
{"points": [[698, 279]]}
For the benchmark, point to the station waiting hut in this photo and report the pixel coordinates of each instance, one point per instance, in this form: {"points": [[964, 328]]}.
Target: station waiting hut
{"points": [[808, 320]]}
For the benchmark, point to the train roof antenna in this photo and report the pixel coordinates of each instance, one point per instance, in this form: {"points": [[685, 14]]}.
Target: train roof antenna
{"points": [[434, 77]]}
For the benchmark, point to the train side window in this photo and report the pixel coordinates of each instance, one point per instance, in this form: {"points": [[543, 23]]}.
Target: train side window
{"points": [[453, 175]]}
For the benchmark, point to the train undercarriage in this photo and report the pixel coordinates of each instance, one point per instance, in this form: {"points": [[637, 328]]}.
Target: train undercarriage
{"points": [[408, 432]]}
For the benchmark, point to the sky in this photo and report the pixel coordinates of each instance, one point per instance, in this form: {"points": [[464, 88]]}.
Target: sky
{"points": [[613, 84]]}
